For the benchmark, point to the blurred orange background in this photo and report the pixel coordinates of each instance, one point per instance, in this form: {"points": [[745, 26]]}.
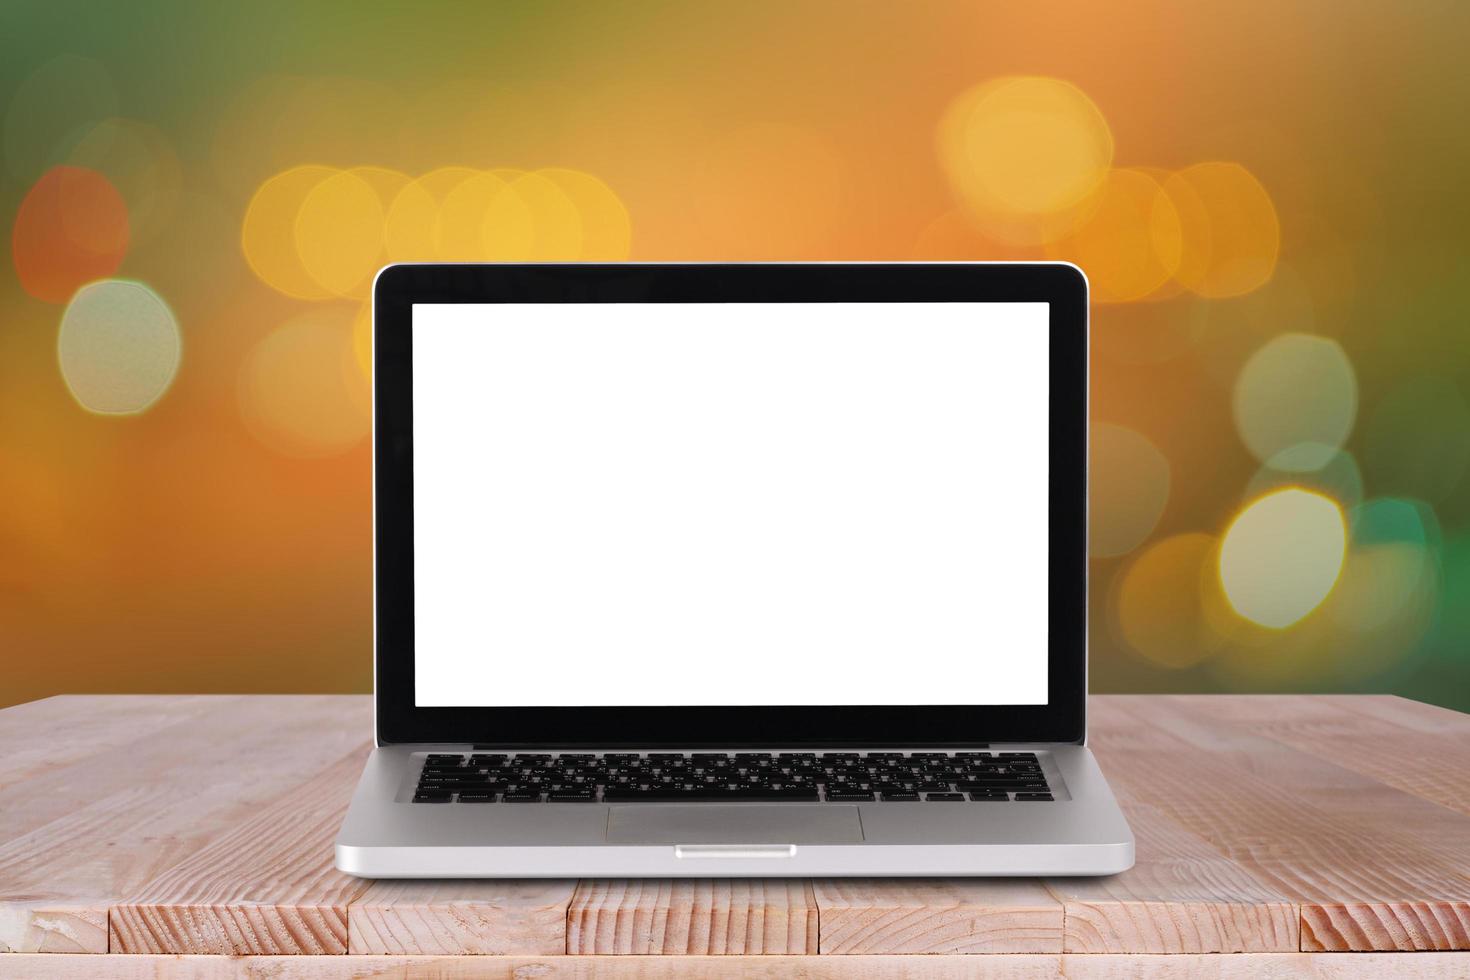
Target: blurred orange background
{"points": [[1269, 200]]}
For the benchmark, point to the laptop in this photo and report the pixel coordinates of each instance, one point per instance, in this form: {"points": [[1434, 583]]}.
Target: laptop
{"points": [[731, 570]]}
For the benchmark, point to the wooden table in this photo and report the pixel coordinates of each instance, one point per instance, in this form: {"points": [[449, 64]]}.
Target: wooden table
{"points": [[1287, 830]]}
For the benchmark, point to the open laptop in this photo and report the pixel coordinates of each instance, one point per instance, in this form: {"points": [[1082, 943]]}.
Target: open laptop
{"points": [[729, 570]]}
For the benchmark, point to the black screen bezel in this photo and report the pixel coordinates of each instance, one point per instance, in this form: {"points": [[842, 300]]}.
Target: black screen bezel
{"points": [[1061, 719]]}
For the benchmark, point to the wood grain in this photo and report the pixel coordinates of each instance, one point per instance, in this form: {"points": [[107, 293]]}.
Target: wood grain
{"points": [[1011, 966], [80, 835], [1264, 824], [1182, 896], [1370, 867], [716, 917], [1411, 715], [936, 915], [1372, 735], [266, 885], [446, 917], [54, 732]]}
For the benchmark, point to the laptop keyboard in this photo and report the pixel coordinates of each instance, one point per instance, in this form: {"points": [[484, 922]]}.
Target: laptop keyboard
{"points": [[936, 777]]}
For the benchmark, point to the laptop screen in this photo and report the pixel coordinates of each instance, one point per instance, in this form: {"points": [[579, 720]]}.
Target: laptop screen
{"points": [[730, 504]]}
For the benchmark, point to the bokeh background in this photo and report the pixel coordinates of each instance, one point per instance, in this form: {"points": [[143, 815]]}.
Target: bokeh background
{"points": [[1269, 198]]}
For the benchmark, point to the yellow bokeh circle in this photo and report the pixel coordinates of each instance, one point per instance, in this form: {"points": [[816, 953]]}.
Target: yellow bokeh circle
{"points": [[339, 233], [268, 233], [1021, 150], [555, 224], [478, 209], [411, 224], [1282, 555], [319, 233], [607, 231]]}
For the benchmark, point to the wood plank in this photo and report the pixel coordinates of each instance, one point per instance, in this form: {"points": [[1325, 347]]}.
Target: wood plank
{"points": [[1012, 966], [1299, 824], [1404, 712], [936, 915], [51, 926], [449, 917], [1182, 896], [79, 837], [209, 837], [265, 885], [1371, 734], [715, 917], [58, 731]]}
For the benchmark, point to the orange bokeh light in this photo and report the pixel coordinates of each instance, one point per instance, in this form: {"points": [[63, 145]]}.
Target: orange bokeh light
{"points": [[71, 228], [1162, 601], [1129, 243], [1231, 236]]}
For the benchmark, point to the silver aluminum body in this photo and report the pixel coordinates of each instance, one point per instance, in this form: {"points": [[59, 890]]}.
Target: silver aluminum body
{"points": [[1081, 832]]}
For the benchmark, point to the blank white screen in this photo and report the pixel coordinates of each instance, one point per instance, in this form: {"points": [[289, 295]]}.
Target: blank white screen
{"points": [[654, 504]]}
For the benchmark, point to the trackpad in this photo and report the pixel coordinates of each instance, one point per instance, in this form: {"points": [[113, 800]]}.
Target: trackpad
{"points": [[746, 823]]}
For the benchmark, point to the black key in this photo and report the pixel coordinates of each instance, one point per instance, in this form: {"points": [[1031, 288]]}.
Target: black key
{"points": [[848, 795], [430, 797], [521, 796], [945, 797], [989, 795], [477, 797], [571, 797], [926, 786], [1045, 797], [900, 797]]}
